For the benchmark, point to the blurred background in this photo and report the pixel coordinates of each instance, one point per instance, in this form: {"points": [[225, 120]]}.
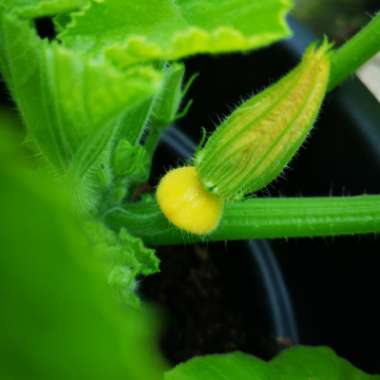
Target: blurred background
{"points": [[338, 19]]}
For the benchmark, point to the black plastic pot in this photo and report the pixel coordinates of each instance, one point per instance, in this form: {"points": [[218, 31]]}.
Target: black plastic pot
{"points": [[332, 282], [218, 297]]}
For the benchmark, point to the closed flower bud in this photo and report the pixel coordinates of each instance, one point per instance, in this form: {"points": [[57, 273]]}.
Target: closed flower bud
{"points": [[256, 142]]}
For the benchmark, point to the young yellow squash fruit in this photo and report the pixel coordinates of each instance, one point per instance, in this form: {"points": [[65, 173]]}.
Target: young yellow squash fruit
{"points": [[186, 203], [249, 149]]}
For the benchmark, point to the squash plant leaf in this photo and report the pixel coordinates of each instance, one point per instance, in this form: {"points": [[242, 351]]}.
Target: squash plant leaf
{"points": [[130, 31], [317, 363], [40, 8], [126, 258], [298, 363], [59, 318], [71, 104], [232, 366], [65, 96]]}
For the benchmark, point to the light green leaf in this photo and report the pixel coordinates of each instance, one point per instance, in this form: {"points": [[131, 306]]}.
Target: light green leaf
{"points": [[40, 8], [317, 363], [130, 31], [64, 96], [58, 316], [234, 366], [298, 363]]}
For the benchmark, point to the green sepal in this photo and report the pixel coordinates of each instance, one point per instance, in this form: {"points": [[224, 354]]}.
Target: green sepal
{"points": [[167, 103], [256, 142], [168, 100]]}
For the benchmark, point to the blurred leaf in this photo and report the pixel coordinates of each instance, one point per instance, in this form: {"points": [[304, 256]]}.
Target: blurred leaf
{"points": [[318, 363], [58, 317], [337, 19], [9, 119], [234, 366], [298, 363], [132, 31], [39, 8]]}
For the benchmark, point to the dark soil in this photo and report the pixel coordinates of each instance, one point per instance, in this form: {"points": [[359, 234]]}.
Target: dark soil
{"points": [[211, 302]]}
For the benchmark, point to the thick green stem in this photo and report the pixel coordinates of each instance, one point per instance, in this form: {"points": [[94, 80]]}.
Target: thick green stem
{"points": [[260, 218], [355, 52]]}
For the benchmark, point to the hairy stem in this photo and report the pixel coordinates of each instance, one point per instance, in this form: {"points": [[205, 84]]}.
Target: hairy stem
{"points": [[260, 218], [355, 52]]}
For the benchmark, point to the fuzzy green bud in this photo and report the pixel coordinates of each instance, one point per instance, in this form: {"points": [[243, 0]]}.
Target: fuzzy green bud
{"points": [[130, 162], [256, 142]]}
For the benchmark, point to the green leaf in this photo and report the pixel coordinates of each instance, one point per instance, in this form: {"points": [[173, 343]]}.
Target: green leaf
{"points": [[40, 8], [234, 366], [130, 32], [64, 96], [298, 363], [126, 258], [318, 363], [72, 105], [58, 316]]}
